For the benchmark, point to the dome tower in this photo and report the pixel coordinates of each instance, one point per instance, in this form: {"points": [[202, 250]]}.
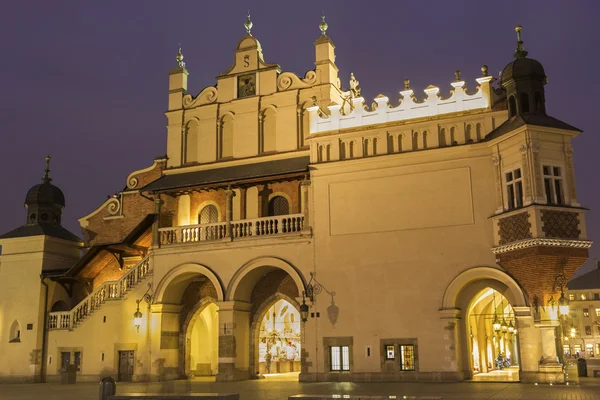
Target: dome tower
{"points": [[44, 201], [524, 80]]}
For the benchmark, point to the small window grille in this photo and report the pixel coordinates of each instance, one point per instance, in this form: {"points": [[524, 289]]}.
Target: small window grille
{"points": [[278, 205], [209, 215], [407, 357], [339, 358], [390, 352]]}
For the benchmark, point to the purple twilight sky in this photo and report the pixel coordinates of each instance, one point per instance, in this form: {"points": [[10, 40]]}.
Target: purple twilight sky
{"points": [[87, 81]]}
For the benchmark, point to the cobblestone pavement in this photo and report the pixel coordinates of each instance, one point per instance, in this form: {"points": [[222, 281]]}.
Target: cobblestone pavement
{"points": [[588, 389]]}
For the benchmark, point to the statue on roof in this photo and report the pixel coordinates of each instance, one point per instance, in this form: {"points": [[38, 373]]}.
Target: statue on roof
{"points": [[354, 86]]}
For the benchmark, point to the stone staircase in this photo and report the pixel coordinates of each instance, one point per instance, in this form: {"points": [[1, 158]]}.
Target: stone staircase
{"points": [[113, 290]]}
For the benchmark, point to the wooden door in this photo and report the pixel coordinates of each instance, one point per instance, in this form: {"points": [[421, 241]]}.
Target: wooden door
{"points": [[125, 366]]}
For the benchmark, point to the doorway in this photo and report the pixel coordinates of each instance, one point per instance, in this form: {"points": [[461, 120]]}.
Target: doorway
{"points": [[126, 365]]}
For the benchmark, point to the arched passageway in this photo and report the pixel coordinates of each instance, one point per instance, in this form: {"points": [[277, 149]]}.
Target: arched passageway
{"points": [[492, 338]]}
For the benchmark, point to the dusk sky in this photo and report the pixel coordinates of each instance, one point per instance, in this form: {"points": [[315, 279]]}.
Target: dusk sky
{"points": [[86, 82]]}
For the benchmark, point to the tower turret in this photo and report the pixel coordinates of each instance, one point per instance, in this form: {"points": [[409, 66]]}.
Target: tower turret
{"points": [[524, 80], [44, 201]]}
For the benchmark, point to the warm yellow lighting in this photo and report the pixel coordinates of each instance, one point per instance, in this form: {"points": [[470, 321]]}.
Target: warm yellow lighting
{"points": [[496, 324], [504, 326], [137, 318], [572, 332], [511, 328], [563, 304]]}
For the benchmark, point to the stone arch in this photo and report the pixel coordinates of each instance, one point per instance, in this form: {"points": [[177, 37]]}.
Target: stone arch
{"points": [[59, 306], [473, 279], [243, 281], [461, 295], [185, 333], [255, 327], [177, 279], [206, 203]]}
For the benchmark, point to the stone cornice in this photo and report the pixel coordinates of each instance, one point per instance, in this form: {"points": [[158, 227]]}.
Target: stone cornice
{"points": [[523, 244]]}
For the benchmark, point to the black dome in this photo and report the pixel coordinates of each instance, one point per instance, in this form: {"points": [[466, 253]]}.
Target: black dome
{"points": [[45, 194], [523, 68]]}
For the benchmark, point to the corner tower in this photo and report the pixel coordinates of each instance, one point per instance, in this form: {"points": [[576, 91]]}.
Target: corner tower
{"points": [[30, 254]]}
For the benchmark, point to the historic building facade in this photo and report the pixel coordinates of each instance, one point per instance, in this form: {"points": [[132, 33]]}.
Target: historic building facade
{"points": [[294, 228]]}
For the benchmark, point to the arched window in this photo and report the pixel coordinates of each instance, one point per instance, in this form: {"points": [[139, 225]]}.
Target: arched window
{"points": [[442, 137], [268, 132], [400, 143], [328, 152], [468, 135], [478, 132], [512, 106], [374, 146], [278, 205], [320, 153], [365, 147], [424, 139], [15, 332], [351, 151], [208, 215], [415, 141], [453, 136], [524, 103], [390, 143], [539, 103], [191, 141], [226, 139], [342, 150]]}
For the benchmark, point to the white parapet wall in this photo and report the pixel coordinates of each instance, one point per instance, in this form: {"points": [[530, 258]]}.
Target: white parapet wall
{"points": [[356, 115]]}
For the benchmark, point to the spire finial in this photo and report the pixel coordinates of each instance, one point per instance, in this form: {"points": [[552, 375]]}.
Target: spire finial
{"points": [[520, 52], [407, 84], [457, 75], [248, 23], [179, 57], [46, 177], [323, 25]]}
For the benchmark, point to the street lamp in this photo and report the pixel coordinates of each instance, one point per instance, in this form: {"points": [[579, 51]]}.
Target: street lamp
{"points": [[303, 310], [137, 315], [563, 304]]}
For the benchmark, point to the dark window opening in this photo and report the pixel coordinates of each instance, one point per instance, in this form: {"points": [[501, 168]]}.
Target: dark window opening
{"points": [[524, 103], [278, 205], [512, 106]]}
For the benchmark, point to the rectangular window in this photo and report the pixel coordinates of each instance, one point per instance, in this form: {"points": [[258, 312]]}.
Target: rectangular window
{"points": [[567, 350], [583, 296], [407, 357], [598, 312], [553, 184], [571, 297], [339, 358], [596, 296], [597, 348], [589, 349], [390, 352], [77, 358], [586, 312], [588, 331], [514, 189]]}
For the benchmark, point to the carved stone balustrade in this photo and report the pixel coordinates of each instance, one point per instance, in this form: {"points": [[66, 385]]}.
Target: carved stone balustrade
{"points": [[266, 226]]}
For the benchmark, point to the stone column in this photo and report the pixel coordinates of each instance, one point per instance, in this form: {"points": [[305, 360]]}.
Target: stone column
{"points": [[456, 358], [304, 187], [229, 194], [167, 343], [528, 337], [234, 346], [156, 224]]}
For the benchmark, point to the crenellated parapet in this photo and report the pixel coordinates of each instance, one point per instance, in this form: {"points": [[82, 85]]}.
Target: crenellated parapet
{"points": [[354, 113]]}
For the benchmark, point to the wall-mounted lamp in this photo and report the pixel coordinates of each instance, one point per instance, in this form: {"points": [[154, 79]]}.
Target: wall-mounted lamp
{"points": [[137, 315], [303, 310]]}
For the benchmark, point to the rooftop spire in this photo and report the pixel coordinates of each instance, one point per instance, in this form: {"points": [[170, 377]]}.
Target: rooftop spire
{"points": [[520, 52], [248, 23], [46, 177], [179, 58], [323, 25]]}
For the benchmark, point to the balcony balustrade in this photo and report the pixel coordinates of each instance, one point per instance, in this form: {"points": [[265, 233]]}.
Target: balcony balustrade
{"points": [[266, 226]]}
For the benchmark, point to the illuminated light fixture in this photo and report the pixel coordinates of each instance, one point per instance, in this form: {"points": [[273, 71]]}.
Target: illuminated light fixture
{"points": [[504, 326], [515, 331], [303, 310], [563, 304], [137, 318], [137, 315], [511, 328], [573, 332], [496, 324]]}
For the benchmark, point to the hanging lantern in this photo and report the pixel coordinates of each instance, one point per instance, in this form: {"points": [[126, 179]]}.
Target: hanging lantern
{"points": [[511, 328], [304, 311], [496, 324], [504, 326], [137, 318], [563, 304]]}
